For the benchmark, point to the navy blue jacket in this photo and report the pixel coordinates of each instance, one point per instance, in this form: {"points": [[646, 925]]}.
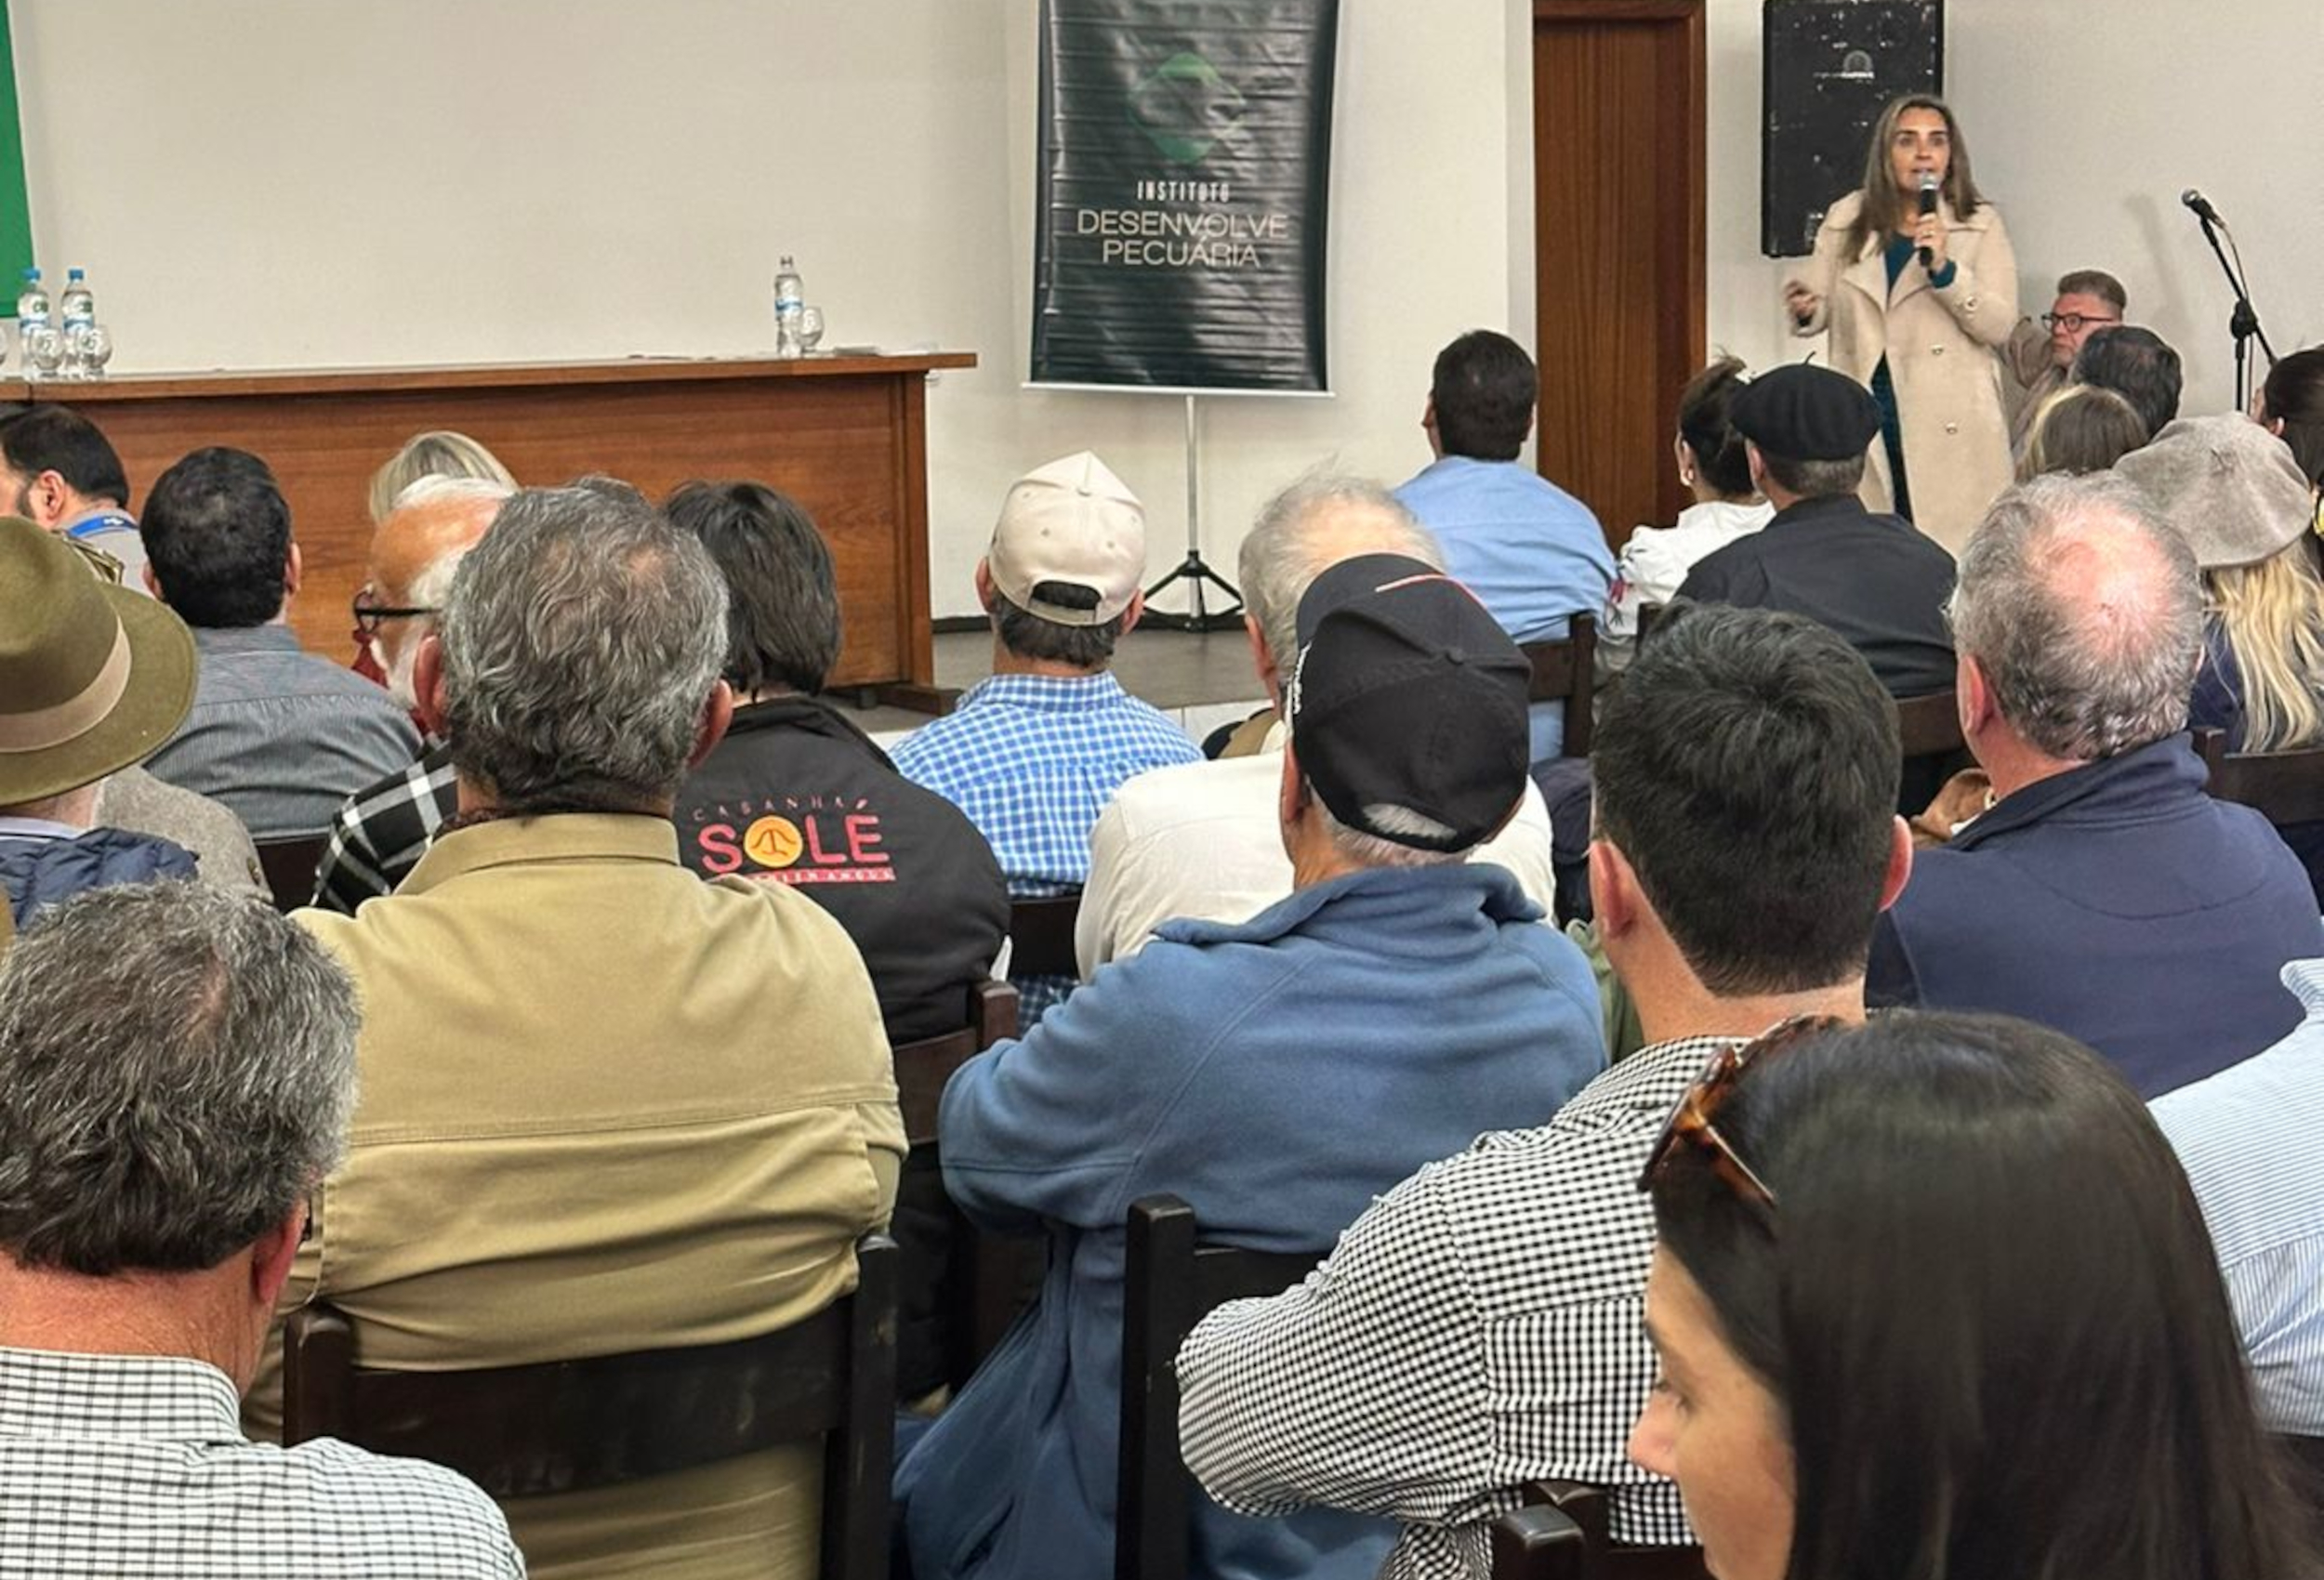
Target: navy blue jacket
{"points": [[37, 872], [2117, 903], [1278, 1075]]}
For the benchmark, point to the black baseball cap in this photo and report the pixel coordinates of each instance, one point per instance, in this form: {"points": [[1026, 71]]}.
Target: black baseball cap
{"points": [[1408, 694]]}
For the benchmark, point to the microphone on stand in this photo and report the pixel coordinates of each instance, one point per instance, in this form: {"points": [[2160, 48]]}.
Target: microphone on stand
{"points": [[1928, 205], [2201, 207]]}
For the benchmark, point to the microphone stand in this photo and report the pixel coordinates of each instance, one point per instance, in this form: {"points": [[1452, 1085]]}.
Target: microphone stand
{"points": [[2244, 322]]}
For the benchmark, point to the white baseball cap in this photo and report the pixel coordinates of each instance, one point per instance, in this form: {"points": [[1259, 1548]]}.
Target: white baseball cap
{"points": [[1074, 522]]}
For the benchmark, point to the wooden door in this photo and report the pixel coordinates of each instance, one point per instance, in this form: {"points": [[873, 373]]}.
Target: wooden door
{"points": [[1618, 118]]}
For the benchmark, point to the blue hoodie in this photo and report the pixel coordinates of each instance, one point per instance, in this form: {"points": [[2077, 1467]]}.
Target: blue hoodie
{"points": [[1278, 1075]]}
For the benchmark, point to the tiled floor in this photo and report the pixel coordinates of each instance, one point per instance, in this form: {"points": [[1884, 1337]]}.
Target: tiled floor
{"points": [[1201, 679]]}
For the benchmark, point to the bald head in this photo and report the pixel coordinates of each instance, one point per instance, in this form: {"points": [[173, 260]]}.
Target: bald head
{"points": [[1303, 532], [2085, 614], [414, 554]]}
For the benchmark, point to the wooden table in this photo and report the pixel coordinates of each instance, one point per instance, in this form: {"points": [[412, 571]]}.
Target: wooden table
{"points": [[845, 436]]}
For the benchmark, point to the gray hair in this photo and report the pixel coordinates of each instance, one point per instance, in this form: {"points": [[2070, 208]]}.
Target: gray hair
{"points": [[2086, 613], [1371, 850], [1303, 532], [582, 639], [177, 1070]]}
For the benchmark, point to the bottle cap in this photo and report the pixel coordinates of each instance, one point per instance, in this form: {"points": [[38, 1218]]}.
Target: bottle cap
{"points": [[76, 274], [31, 274]]}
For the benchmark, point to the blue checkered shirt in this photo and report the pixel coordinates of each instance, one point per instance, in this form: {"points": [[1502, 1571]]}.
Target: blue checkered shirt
{"points": [[1033, 760]]}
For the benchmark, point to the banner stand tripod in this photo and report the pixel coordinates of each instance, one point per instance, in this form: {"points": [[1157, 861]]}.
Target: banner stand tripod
{"points": [[1193, 570]]}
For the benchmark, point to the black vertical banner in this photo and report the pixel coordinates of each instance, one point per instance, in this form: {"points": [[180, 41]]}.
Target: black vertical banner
{"points": [[1185, 170]]}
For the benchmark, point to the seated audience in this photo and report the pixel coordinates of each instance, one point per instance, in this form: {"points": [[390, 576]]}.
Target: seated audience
{"points": [[1033, 754], [797, 795], [2247, 1138], [2081, 429], [176, 1069], [2290, 405], [2039, 360], [2103, 894], [280, 736], [1715, 469], [1533, 553], [1876, 580], [2137, 365], [92, 677], [383, 829], [2235, 493], [438, 454], [1931, 1299], [1202, 839], [1479, 1327], [607, 1106], [62, 474], [1275, 1074]]}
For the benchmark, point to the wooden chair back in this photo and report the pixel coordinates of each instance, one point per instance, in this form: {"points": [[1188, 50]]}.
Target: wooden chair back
{"points": [[570, 1426], [1587, 1510], [1929, 725], [1041, 936], [2303, 1470], [290, 866], [2284, 787], [1566, 671], [988, 1277], [1171, 1281], [923, 1067]]}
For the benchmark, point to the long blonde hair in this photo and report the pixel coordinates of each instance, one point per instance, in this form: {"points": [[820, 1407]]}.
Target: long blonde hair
{"points": [[2272, 613]]}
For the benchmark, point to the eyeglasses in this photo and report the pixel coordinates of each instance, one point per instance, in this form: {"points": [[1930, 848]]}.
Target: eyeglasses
{"points": [[1694, 1121], [369, 616], [2073, 323]]}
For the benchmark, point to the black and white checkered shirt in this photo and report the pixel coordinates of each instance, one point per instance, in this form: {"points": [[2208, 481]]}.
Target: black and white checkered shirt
{"points": [[1482, 1326], [380, 835], [128, 1466]]}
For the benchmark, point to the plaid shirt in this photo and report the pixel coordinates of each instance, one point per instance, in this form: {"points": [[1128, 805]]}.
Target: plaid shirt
{"points": [[1482, 1326], [380, 835], [134, 1465], [1033, 760]]}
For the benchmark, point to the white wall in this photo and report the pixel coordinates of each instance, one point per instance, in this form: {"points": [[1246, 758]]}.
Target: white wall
{"points": [[298, 182]]}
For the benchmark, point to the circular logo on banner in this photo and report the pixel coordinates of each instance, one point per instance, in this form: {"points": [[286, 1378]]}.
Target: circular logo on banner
{"points": [[774, 842], [1186, 108]]}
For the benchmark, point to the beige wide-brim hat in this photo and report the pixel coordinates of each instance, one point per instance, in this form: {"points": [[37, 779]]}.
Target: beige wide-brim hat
{"points": [[93, 677]]}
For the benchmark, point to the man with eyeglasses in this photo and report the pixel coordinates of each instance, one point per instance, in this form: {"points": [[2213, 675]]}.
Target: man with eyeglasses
{"points": [[2040, 352], [382, 831]]}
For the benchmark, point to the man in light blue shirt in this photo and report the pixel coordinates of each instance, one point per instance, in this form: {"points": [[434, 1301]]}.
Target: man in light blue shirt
{"points": [[1531, 552], [1033, 754], [2247, 1138]]}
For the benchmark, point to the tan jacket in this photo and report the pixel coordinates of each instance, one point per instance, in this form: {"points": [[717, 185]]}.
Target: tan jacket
{"points": [[1940, 346], [606, 1106]]}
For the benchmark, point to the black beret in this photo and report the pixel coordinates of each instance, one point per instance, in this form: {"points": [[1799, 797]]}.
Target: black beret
{"points": [[1803, 413]]}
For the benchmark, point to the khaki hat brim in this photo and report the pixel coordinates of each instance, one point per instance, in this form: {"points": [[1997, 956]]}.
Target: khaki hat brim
{"points": [[160, 694]]}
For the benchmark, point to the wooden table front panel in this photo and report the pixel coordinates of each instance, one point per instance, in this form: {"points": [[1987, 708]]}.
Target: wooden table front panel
{"points": [[848, 445]]}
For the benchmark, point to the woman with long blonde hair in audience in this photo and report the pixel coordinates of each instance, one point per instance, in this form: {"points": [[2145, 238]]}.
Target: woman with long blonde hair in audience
{"points": [[1933, 1300], [2237, 494], [2081, 428]]}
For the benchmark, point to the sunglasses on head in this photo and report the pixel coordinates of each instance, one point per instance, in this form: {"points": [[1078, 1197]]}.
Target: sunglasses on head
{"points": [[1694, 1123]]}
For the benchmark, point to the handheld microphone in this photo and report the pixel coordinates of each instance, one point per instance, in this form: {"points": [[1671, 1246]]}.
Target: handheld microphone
{"points": [[1928, 205], [2201, 205]]}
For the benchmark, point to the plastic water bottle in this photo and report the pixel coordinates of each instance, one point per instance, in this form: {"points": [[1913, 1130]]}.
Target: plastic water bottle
{"points": [[790, 307], [32, 313], [78, 309]]}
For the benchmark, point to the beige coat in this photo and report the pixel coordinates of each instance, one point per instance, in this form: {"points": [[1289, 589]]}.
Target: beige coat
{"points": [[604, 1106], [1940, 346]]}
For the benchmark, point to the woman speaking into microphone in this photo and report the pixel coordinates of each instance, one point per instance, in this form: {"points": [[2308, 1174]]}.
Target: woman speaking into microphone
{"points": [[1914, 277]]}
